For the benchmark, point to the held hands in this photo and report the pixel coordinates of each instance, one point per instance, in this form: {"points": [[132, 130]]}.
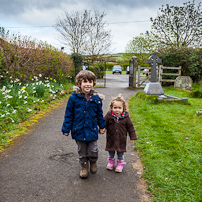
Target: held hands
{"points": [[66, 134], [102, 131]]}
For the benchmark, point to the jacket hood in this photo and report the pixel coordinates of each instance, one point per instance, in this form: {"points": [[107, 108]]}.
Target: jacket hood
{"points": [[77, 90], [110, 114]]}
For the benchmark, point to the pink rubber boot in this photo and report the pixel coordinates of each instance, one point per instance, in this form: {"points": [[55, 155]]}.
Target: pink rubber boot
{"points": [[119, 166], [110, 164]]}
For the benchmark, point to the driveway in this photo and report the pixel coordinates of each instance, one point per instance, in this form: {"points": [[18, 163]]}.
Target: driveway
{"points": [[44, 167], [117, 80]]}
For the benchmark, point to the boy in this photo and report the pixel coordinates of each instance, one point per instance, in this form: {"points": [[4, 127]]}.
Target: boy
{"points": [[83, 115]]}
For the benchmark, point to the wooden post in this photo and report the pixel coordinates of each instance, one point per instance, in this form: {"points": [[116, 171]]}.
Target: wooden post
{"points": [[161, 72], [138, 79], [134, 58], [180, 70]]}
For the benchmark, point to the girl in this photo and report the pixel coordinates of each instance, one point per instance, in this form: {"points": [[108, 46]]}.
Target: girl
{"points": [[118, 123]]}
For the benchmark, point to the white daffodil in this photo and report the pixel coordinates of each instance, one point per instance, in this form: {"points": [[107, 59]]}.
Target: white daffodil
{"points": [[29, 110], [9, 96]]}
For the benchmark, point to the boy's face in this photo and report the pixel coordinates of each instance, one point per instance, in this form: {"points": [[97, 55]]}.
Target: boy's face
{"points": [[86, 86], [117, 108]]}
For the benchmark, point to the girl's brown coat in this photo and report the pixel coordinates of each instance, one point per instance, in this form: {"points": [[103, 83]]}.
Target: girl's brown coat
{"points": [[117, 132]]}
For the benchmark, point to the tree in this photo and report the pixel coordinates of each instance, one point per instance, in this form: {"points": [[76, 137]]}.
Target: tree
{"points": [[98, 39], [84, 33], [72, 29], [140, 44], [178, 26], [77, 60]]}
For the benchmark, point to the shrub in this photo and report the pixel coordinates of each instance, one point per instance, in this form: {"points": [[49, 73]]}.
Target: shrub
{"points": [[23, 58], [189, 58], [109, 66], [196, 94]]}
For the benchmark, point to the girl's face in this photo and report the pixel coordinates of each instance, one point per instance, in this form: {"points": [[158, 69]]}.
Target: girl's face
{"points": [[117, 108], [86, 86]]}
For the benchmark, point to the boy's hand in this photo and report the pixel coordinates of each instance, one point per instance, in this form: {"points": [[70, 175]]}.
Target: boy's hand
{"points": [[102, 131], [66, 134], [132, 141]]}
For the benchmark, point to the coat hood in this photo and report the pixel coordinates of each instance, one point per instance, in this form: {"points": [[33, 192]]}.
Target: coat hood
{"points": [[77, 90]]}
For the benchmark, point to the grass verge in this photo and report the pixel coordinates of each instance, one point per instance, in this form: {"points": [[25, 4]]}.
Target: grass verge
{"points": [[170, 145]]}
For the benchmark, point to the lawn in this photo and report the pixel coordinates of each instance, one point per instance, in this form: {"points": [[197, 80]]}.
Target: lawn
{"points": [[123, 72], [110, 72], [170, 145]]}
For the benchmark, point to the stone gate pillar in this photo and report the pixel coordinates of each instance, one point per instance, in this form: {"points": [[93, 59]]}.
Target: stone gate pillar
{"points": [[134, 58]]}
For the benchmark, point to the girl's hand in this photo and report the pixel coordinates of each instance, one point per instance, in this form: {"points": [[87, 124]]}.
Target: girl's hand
{"points": [[102, 131]]}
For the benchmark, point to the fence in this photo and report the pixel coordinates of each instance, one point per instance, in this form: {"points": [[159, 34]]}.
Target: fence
{"points": [[142, 79], [161, 73]]}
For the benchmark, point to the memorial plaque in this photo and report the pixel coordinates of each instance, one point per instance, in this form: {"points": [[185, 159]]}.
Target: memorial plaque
{"points": [[153, 88]]}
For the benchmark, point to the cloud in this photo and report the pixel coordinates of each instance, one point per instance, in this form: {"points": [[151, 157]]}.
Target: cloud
{"points": [[126, 18]]}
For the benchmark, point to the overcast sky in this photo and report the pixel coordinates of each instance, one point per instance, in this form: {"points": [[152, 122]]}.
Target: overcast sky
{"points": [[126, 18]]}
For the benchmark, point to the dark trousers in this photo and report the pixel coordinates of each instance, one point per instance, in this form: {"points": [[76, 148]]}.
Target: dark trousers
{"points": [[87, 151]]}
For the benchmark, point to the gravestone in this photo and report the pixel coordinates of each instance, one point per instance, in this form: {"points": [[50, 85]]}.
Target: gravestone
{"points": [[183, 82], [153, 61], [153, 88]]}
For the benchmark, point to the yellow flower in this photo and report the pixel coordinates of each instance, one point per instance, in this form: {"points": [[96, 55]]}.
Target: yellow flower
{"points": [[50, 78]]}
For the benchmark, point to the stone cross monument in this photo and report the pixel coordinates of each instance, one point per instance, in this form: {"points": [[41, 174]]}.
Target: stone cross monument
{"points": [[153, 88], [153, 61]]}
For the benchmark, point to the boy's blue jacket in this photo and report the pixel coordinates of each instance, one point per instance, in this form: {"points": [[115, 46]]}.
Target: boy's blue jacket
{"points": [[83, 117]]}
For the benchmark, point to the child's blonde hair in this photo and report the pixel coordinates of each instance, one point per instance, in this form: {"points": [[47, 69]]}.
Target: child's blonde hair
{"points": [[85, 75], [120, 99]]}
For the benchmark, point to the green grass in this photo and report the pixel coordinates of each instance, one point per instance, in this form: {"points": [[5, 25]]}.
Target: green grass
{"points": [[110, 72], [123, 72], [170, 145]]}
